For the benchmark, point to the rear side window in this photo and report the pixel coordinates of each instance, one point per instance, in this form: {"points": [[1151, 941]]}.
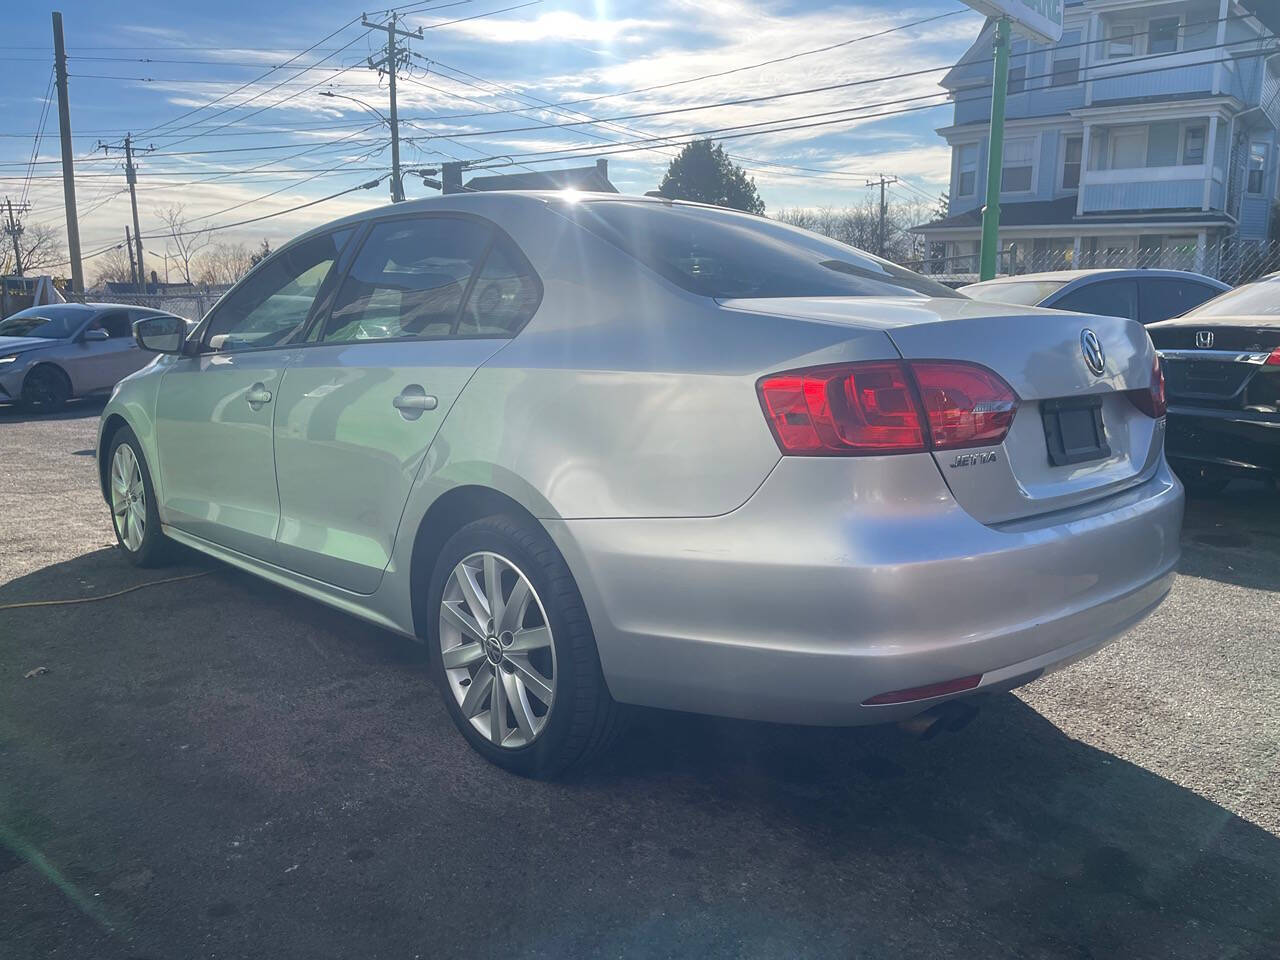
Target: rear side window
{"points": [[408, 280], [725, 254], [1162, 299], [1109, 298], [505, 295]]}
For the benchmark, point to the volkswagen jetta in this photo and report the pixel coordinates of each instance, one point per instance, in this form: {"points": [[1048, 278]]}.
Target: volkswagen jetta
{"points": [[599, 451]]}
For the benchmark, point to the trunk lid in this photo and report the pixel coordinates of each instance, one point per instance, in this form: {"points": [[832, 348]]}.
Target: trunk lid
{"points": [[1213, 361], [1039, 353]]}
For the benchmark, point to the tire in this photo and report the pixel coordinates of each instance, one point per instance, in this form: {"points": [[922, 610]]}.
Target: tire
{"points": [[46, 389], [132, 498], [582, 718], [1203, 481]]}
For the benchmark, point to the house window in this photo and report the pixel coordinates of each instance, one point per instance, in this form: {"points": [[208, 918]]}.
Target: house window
{"points": [[1120, 41], [966, 170], [1162, 144], [1193, 145], [1017, 79], [1071, 151], [1257, 166], [1128, 148], [1163, 35], [1019, 166], [1066, 71]]}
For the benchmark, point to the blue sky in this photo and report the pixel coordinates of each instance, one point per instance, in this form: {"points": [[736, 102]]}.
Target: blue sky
{"points": [[554, 50]]}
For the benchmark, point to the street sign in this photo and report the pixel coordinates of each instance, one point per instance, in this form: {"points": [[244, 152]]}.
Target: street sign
{"points": [[1039, 19]]}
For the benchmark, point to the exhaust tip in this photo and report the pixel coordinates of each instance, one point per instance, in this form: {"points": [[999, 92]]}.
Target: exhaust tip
{"points": [[952, 717]]}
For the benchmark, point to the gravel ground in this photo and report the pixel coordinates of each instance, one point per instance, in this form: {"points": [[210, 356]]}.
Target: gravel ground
{"points": [[217, 768]]}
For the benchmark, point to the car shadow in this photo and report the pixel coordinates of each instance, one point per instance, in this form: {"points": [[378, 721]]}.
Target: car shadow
{"points": [[1234, 537], [74, 410], [183, 713]]}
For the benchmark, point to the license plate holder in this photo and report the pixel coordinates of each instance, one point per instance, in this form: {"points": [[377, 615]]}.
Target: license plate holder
{"points": [[1074, 431]]}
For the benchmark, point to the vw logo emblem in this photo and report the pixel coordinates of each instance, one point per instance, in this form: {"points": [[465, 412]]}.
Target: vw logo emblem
{"points": [[1204, 339], [1091, 347]]}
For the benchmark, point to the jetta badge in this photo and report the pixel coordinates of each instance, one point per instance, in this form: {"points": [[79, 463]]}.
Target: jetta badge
{"points": [[1091, 347], [1204, 339]]}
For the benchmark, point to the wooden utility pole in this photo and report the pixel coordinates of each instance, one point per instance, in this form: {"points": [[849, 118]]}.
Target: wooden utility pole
{"points": [[884, 208], [14, 229], [133, 268], [389, 63], [131, 177], [68, 163]]}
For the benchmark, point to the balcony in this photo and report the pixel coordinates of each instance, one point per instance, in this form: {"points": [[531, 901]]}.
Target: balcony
{"points": [[1149, 188], [1186, 74]]}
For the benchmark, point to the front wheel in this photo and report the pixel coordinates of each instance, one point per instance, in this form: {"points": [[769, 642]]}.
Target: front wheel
{"points": [[46, 389], [512, 650], [133, 503]]}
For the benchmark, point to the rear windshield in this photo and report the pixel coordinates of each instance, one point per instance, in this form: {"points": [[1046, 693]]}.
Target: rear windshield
{"points": [[49, 323], [724, 254], [1261, 299], [1026, 293]]}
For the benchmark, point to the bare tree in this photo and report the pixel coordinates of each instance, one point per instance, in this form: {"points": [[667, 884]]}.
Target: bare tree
{"points": [[112, 267], [223, 263], [859, 226], [41, 247], [186, 238]]}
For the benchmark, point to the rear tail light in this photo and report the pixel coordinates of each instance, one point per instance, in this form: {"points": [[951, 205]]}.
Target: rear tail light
{"points": [[1151, 400], [887, 406], [1274, 359]]}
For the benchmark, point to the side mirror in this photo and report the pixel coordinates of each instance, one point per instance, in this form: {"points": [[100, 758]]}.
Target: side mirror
{"points": [[95, 334], [160, 334]]}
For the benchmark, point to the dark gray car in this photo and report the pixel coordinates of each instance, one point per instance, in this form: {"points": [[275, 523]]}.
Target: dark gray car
{"points": [[52, 353], [1147, 296]]}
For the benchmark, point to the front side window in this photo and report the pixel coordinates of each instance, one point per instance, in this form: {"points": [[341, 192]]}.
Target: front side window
{"points": [[1071, 153], [1019, 165], [966, 169], [115, 323], [408, 280], [1162, 35], [275, 299], [725, 254], [1257, 166]]}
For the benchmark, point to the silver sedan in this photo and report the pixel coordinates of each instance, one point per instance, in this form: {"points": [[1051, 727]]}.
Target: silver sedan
{"points": [[52, 353], [598, 451]]}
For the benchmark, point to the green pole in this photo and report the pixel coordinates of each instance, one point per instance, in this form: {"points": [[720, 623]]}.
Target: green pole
{"points": [[995, 152]]}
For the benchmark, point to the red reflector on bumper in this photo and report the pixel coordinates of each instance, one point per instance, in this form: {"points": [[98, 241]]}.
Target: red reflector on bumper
{"points": [[925, 692]]}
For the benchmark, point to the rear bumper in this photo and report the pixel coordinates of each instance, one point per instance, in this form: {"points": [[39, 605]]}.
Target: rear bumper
{"points": [[1233, 438], [840, 580]]}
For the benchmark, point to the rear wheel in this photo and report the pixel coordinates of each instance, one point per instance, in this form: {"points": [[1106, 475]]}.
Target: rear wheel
{"points": [[133, 503], [512, 650], [46, 389]]}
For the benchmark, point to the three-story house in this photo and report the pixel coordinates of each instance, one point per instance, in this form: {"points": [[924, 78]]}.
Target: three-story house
{"points": [[1147, 136]]}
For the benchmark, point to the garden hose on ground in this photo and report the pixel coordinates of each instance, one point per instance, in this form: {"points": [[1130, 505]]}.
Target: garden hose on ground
{"points": [[105, 596]]}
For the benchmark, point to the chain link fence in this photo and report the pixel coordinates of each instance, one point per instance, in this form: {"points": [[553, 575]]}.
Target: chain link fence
{"points": [[190, 306], [1232, 261]]}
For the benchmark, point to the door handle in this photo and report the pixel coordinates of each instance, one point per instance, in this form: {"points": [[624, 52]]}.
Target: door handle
{"points": [[412, 401], [257, 395]]}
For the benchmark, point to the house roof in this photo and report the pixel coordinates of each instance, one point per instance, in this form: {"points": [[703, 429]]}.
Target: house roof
{"points": [[1062, 212], [588, 179]]}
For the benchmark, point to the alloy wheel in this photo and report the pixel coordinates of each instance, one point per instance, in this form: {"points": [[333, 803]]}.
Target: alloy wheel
{"points": [[497, 649], [128, 497]]}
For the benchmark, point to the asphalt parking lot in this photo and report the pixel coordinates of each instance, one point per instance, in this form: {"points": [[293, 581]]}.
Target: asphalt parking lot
{"points": [[217, 768]]}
